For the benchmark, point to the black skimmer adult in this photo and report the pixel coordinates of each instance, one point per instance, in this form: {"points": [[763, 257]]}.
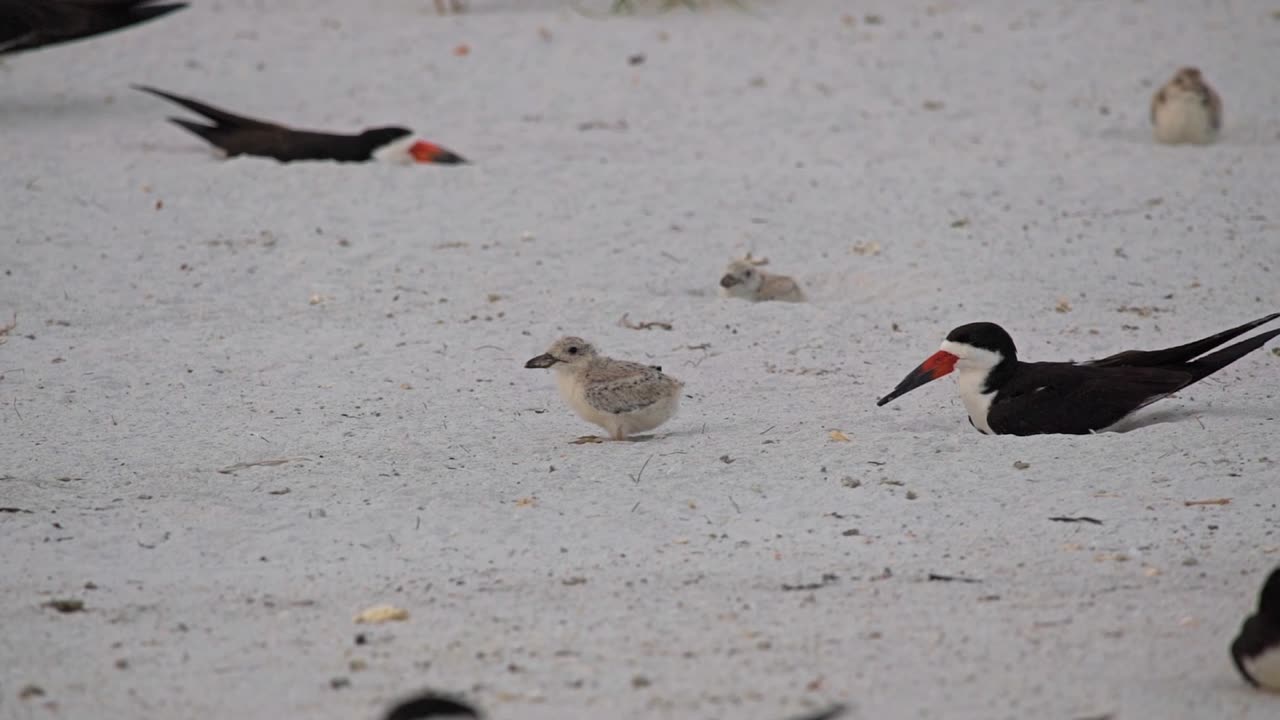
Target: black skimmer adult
{"points": [[1005, 396], [236, 135], [1256, 649], [29, 24]]}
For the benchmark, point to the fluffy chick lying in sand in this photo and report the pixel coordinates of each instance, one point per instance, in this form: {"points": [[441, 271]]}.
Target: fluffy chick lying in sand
{"points": [[744, 279]]}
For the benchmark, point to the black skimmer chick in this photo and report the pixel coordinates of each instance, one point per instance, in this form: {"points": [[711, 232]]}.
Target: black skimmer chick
{"points": [[622, 397], [1005, 396], [30, 24], [1186, 110], [744, 279], [1256, 649], [236, 135]]}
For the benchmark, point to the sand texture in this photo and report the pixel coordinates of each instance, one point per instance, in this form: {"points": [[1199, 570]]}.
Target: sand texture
{"points": [[244, 401]]}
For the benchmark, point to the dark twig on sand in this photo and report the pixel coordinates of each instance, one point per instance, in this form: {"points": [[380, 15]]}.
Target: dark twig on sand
{"points": [[1082, 518], [1214, 501], [827, 579], [636, 478], [648, 325], [830, 713], [935, 577], [257, 463], [65, 605]]}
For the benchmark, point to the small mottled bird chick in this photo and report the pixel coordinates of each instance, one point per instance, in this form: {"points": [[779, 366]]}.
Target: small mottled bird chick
{"points": [[622, 397], [1256, 649], [743, 279], [1186, 110]]}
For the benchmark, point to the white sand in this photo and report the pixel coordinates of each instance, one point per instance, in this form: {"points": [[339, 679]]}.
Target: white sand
{"points": [[172, 342]]}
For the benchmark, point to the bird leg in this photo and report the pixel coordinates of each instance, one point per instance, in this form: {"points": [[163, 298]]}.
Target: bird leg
{"points": [[587, 440]]}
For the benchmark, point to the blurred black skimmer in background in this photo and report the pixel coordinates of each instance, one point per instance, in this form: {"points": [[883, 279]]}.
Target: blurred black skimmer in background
{"points": [[30, 24], [237, 135]]}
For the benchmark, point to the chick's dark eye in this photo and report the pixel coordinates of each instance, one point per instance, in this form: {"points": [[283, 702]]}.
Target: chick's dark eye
{"points": [[746, 274], [573, 351]]}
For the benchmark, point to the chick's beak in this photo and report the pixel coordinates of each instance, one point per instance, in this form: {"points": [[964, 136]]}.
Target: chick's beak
{"points": [[544, 360], [729, 281]]}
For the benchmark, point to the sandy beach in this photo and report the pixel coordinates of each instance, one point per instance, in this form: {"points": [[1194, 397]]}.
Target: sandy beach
{"points": [[243, 401]]}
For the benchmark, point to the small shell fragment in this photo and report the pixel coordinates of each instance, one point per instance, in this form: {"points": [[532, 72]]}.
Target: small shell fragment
{"points": [[381, 614]]}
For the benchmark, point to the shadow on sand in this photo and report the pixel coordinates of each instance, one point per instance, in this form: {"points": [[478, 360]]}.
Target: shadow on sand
{"points": [[1185, 414]]}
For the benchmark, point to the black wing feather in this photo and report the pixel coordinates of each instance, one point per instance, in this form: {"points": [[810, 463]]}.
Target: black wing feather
{"points": [[240, 135], [29, 24], [219, 116], [1254, 638], [1180, 354], [1077, 399]]}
